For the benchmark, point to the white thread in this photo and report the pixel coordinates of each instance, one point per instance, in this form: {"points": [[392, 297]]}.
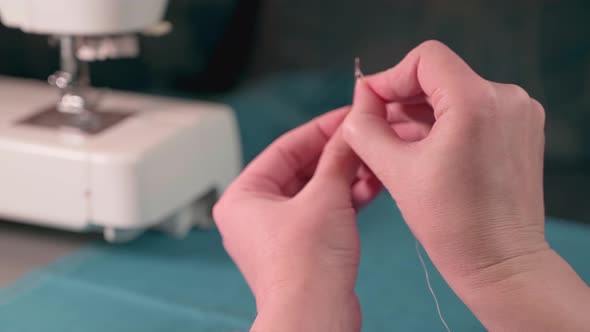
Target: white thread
{"points": [[440, 315]]}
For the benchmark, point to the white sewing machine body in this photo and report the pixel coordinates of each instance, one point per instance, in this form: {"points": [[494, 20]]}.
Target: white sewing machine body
{"points": [[150, 169], [81, 17], [120, 163]]}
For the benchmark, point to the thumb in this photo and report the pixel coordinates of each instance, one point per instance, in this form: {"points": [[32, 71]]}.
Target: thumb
{"points": [[368, 133], [338, 165]]}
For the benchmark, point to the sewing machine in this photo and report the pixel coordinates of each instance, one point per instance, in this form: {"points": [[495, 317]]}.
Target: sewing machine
{"points": [[83, 159]]}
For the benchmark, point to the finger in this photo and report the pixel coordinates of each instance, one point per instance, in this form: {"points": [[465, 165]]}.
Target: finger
{"points": [[369, 134], [365, 187], [364, 173], [433, 70], [411, 132], [364, 191], [279, 164], [300, 179], [409, 112], [338, 166], [411, 121]]}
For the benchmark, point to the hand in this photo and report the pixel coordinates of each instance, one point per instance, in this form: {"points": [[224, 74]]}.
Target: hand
{"points": [[470, 184], [289, 223], [476, 171]]}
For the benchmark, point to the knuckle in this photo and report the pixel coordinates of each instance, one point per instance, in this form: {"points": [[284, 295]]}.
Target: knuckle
{"points": [[334, 149], [518, 92], [482, 102], [486, 95], [281, 139], [433, 45], [352, 128], [349, 130], [219, 212]]}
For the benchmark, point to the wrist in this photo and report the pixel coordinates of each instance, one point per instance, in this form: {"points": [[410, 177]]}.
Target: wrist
{"points": [[308, 308], [537, 291], [466, 253]]}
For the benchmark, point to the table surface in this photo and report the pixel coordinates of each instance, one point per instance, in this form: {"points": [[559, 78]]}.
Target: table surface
{"points": [[25, 247]]}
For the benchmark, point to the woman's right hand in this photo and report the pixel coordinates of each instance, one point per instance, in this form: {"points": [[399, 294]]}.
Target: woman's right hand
{"points": [[468, 182]]}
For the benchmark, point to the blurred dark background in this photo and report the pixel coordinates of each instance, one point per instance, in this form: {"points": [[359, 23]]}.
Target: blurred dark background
{"points": [[298, 54]]}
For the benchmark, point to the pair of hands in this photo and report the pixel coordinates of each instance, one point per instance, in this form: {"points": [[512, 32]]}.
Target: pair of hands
{"points": [[461, 156]]}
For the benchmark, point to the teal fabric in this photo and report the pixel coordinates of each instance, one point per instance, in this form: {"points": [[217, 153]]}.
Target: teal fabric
{"points": [[157, 283], [160, 284]]}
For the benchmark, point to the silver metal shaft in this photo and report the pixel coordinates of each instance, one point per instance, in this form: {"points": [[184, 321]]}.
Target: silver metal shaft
{"points": [[72, 78]]}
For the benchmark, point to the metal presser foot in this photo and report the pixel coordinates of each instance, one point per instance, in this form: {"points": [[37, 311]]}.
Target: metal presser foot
{"points": [[74, 110]]}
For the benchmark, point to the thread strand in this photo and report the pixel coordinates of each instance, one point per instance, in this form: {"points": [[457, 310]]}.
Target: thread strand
{"points": [[440, 315]]}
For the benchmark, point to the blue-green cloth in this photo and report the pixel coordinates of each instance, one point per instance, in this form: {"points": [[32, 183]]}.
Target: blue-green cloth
{"points": [[157, 283], [161, 284]]}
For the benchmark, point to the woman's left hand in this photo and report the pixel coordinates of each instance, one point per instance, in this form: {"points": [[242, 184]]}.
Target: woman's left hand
{"points": [[289, 223]]}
